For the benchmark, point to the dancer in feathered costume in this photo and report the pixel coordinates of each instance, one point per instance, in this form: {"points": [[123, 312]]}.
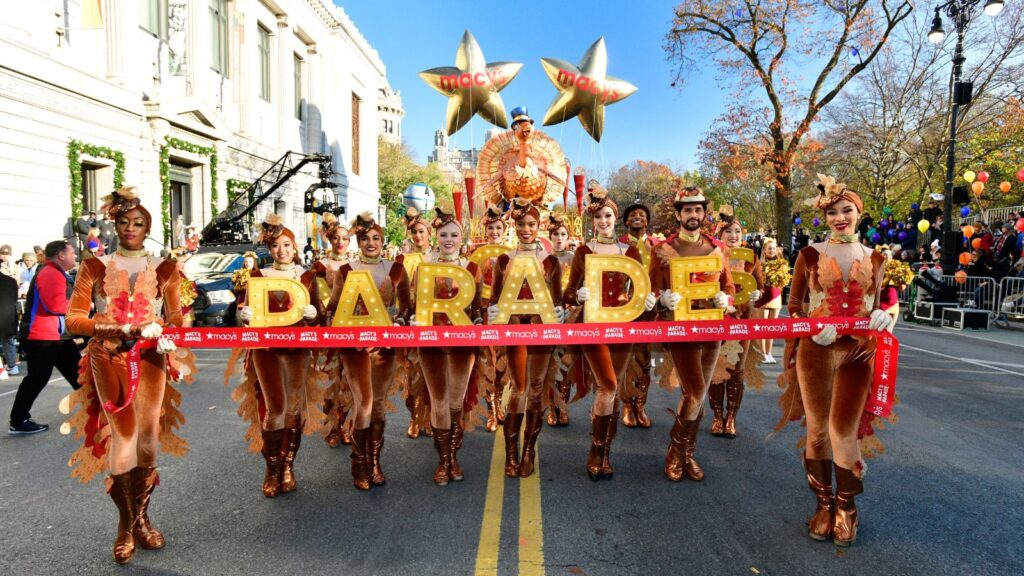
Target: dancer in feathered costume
{"points": [[279, 394], [693, 361], [733, 370], [371, 371], [492, 365], [636, 217], [416, 251], [608, 362], [128, 407], [828, 379], [561, 384], [329, 361]]}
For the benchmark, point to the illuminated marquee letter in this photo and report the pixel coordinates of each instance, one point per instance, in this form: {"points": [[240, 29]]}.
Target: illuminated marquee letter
{"points": [[258, 300], [427, 304], [745, 283], [483, 254], [596, 266], [525, 270], [681, 270], [359, 284]]}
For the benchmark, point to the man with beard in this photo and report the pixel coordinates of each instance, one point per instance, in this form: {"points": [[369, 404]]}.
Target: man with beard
{"points": [[636, 218], [694, 361]]}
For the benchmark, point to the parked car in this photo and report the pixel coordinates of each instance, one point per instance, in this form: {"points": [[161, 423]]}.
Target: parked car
{"points": [[212, 272]]}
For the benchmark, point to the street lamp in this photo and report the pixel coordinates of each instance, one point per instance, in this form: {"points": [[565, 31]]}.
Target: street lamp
{"points": [[960, 13]]}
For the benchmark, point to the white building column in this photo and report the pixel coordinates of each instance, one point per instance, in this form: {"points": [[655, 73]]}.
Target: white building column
{"points": [[116, 30], [313, 110], [194, 29], [241, 55], [285, 81]]}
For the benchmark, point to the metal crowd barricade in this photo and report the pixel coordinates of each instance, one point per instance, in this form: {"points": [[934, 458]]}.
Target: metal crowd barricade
{"points": [[969, 295], [1010, 300], [991, 215]]}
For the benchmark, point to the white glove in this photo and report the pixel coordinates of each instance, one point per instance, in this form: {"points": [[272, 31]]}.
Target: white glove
{"points": [[244, 314], [755, 295], [826, 337], [151, 331], [492, 313], [399, 322], [879, 320], [650, 301], [308, 312], [415, 322], [165, 346], [561, 314], [582, 294], [478, 321], [670, 299], [720, 299]]}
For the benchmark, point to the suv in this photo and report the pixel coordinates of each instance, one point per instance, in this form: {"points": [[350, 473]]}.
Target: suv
{"points": [[212, 270]]}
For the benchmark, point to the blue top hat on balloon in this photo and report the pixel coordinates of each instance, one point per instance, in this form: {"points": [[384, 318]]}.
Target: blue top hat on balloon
{"points": [[520, 114]]}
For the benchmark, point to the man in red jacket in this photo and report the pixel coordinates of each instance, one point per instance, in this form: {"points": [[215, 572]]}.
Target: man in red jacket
{"points": [[45, 340]]}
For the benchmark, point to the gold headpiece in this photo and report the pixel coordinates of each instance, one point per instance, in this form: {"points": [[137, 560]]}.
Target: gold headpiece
{"points": [[123, 200], [413, 217], [597, 198], [494, 214], [443, 215], [521, 207], [689, 195], [830, 192], [365, 222], [273, 226], [556, 220]]}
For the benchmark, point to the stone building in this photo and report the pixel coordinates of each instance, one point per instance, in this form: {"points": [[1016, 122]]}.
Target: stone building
{"points": [[455, 161], [190, 100], [389, 114]]}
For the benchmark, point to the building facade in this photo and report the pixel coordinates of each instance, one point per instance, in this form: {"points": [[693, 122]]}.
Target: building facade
{"points": [[189, 100], [455, 161], [389, 114]]}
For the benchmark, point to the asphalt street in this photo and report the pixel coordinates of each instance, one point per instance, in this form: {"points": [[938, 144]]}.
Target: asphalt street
{"points": [[947, 498]]}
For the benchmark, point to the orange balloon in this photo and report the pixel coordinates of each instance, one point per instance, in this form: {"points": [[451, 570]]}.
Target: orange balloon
{"points": [[960, 277], [1004, 186], [976, 243], [977, 187], [968, 230], [965, 258]]}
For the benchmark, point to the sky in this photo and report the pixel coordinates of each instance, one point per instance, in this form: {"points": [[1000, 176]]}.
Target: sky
{"points": [[658, 122]]}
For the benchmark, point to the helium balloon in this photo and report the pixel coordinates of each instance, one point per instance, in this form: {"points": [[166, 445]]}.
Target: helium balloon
{"points": [[899, 225], [1019, 225], [1020, 175], [883, 224], [915, 206], [977, 188], [472, 85], [816, 222], [798, 220], [876, 238], [923, 226], [983, 177], [1005, 187], [969, 176], [891, 233], [965, 258], [965, 211], [960, 276], [886, 211], [968, 231], [584, 90], [902, 236], [976, 243]]}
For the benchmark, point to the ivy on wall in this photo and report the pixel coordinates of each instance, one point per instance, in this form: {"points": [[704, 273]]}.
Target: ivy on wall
{"points": [[76, 148], [165, 177], [235, 188]]}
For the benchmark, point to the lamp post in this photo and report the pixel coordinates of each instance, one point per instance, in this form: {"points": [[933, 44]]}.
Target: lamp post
{"points": [[960, 13]]}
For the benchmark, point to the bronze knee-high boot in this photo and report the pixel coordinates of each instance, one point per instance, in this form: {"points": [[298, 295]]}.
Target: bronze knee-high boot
{"points": [[819, 480], [338, 436], [531, 430], [361, 458], [121, 494], [412, 402], [716, 396], [272, 441], [289, 448], [679, 461], [494, 412], [733, 397], [643, 386], [563, 391], [598, 443], [376, 445], [456, 442], [844, 529], [606, 464], [443, 444], [513, 421], [629, 412], [144, 480]]}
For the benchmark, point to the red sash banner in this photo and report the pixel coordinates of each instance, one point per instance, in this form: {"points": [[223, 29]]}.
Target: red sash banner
{"points": [[133, 359], [879, 402]]}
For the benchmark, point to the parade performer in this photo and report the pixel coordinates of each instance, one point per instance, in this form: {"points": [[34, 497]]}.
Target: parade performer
{"points": [[128, 406], [895, 279], [326, 269], [636, 217], [607, 362], [527, 364], [417, 251], [371, 371], [279, 394], [828, 379], [733, 370], [447, 370], [558, 411], [694, 361], [492, 365], [776, 277]]}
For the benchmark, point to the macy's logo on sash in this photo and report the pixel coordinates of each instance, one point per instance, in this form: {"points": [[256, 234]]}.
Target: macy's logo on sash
{"points": [[551, 334], [428, 336], [803, 327], [489, 335], [308, 336], [613, 333], [676, 331], [736, 329], [193, 336], [250, 336]]}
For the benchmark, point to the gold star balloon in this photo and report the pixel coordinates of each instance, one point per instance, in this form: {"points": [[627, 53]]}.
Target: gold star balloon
{"points": [[584, 90], [472, 85]]}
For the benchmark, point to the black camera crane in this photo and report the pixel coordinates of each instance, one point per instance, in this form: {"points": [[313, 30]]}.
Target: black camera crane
{"points": [[231, 226]]}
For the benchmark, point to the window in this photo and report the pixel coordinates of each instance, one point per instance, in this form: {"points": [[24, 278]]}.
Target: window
{"points": [[263, 44], [297, 73], [219, 37], [153, 17], [356, 102]]}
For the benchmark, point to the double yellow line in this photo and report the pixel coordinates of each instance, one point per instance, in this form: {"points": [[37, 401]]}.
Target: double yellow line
{"points": [[531, 529]]}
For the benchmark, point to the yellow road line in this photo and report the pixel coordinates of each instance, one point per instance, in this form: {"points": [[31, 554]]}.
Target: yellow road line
{"points": [[490, 527], [531, 529]]}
